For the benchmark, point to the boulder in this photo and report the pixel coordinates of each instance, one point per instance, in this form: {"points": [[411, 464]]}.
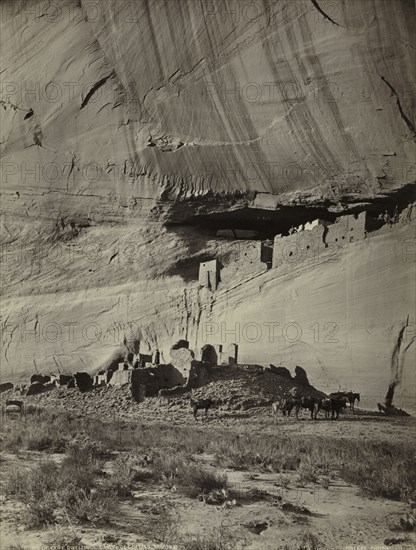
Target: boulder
{"points": [[35, 388], [281, 371], [6, 386], [301, 377]]}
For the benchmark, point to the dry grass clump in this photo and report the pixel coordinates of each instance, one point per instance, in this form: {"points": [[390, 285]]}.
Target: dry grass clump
{"points": [[223, 539], [48, 431], [195, 481], [189, 478], [123, 477], [64, 538], [36, 489], [91, 507], [53, 493], [309, 541], [387, 472]]}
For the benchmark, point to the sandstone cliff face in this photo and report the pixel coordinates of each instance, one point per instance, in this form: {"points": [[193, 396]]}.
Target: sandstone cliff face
{"points": [[120, 118]]}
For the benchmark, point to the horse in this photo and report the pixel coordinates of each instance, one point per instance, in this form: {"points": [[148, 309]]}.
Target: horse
{"points": [[289, 403], [333, 404], [309, 404], [352, 398], [203, 404]]}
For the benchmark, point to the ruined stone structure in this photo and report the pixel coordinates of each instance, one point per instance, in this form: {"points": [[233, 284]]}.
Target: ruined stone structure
{"points": [[316, 238], [103, 378], [217, 354], [181, 359], [232, 353], [219, 348], [121, 377], [209, 274], [63, 379], [41, 378], [83, 381], [209, 354], [346, 229], [197, 375], [247, 258], [300, 246]]}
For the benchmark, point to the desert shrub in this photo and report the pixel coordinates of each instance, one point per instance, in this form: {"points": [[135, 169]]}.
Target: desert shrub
{"points": [[191, 479], [161, 522], [249, 452], [194, 480], [47, 432], [51, 492], [223, 539], [17, 483], [36, 488], [41, 443], [44, 478], [122, 478], [95, 507], [41, 510], [143, 474], [63, 538], [11, 441], [80, 468], [167, 466], [37, 481], [56, 444], [309, 541], [307, 472], [84, 454]]}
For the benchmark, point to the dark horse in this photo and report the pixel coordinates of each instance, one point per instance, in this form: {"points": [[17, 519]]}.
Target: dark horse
{"points": [[352, 398], [203, 404]]}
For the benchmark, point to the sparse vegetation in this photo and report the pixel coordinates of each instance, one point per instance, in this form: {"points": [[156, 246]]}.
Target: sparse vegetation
{"points": [[121, 481], [53, 492], [224, 539], [194, 481], [63, 538], [383, 469], [107, 462]]}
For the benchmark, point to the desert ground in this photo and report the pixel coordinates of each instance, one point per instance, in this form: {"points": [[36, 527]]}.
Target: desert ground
{"points": [[96, 470]]}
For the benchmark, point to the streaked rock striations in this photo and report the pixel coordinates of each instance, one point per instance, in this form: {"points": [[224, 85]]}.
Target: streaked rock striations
{"points": [[121, 119]]}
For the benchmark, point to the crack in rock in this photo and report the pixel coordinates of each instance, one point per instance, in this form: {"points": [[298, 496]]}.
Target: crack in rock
{"points": [[95, 87], [408, 122], [397, 362], [321, 11]]}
